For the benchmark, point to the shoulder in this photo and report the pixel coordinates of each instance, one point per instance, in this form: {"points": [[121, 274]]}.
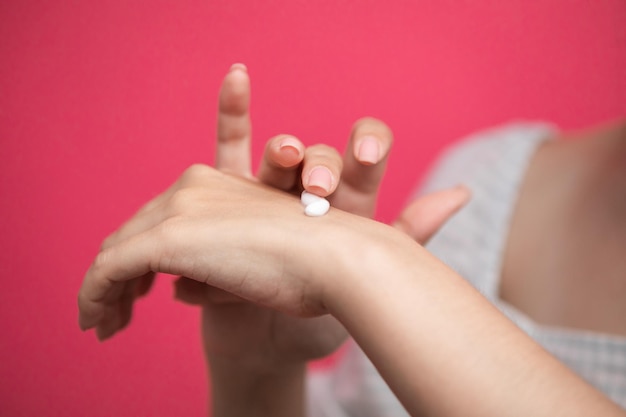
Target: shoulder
{"points": [[492, 165], [484, 153]]}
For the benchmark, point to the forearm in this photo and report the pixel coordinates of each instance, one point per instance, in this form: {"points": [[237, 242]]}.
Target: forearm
{"points": [[444, 349], [240, 392]]}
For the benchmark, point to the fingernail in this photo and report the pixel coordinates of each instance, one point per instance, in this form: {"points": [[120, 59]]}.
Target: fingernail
{"points": [[320, 177], [369, 151], [239, 66], [290, 146]]}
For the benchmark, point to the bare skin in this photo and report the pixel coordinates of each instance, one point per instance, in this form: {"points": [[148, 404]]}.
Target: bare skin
{"points": [[575, 188], [240, 237], [254, 352], [218, 229], [257, 353]]}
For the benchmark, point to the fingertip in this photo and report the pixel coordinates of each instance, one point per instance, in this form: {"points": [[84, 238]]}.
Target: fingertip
{"points": [[238, 66], [235, 90], [89, 312], [289, 152], [425, 215], [238, 74], [461, 195], [322, 170], [462, 188], [319, 181], [86, 323], [280, 166], [107, 329], [365, 161], [82, 327], [367, 150], [102, 334], [376, 132]]}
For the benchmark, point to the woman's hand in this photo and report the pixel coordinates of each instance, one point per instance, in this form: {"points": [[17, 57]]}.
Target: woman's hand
{"points": [[265, 338], [255, 242]]}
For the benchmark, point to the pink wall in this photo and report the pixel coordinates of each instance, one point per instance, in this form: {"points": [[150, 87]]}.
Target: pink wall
{"points": [[104, 103]]}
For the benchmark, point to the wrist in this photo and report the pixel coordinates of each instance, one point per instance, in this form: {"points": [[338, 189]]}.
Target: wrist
{"points": [[237, 390], [350, 248], [362, 262], [253, 367], [420, 322]]}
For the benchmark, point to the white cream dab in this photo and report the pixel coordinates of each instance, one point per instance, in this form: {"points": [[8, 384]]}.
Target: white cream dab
{"points": [[314, 205]]}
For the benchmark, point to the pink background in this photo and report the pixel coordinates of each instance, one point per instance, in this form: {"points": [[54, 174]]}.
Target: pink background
{"points": [[104, 103]]}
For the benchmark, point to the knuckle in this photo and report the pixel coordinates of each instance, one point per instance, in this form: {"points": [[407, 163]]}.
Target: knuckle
{"points": [[108, 241], [170, 237], [196, 171], [168, 230], [101, 260], [181, 200], [234, 132], [323, 151], [81, 300]]}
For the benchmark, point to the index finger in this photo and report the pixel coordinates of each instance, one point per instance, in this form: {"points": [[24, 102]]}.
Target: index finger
{"points": [[233, 123], [101, 293]]}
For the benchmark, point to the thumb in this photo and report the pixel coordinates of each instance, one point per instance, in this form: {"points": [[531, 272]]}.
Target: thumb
{"points": [[423, 217]]}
